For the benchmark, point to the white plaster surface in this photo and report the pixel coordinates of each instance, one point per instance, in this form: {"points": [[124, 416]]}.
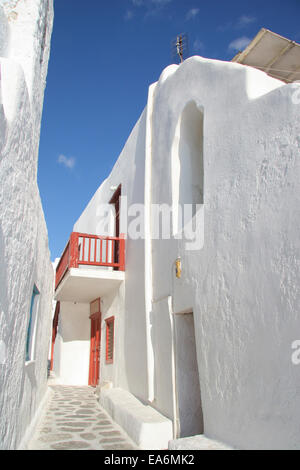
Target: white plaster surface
{"points": [[162, 340], [72, 345], [85, 285], [199, 442], [24, 253], [146, 427], [35, 421]]}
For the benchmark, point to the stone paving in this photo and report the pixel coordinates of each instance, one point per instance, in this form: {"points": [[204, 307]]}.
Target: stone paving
{"points": [[74, 420]]}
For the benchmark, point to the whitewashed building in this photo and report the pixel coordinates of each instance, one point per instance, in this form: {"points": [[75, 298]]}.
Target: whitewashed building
{"points": [[26, 274], [186, 337]]}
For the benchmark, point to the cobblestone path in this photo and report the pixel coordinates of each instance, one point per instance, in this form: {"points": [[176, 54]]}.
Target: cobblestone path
{"points": [[74, 420]]}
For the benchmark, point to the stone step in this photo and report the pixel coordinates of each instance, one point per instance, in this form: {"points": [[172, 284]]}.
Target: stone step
{"points": [[148, 428]]}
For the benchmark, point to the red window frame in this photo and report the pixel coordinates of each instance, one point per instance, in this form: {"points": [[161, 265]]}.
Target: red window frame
{"points": [[110, 323]]}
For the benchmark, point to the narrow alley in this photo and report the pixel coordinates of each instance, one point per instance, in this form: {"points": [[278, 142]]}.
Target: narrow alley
{"points": [[149, 227], [74, 420]]}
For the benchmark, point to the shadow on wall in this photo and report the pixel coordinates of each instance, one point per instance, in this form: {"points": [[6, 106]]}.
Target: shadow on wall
{"points": [[187, 162], [74, 323], [135, 321]]}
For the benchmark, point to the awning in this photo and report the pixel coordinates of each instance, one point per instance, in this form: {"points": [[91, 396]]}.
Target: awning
{"points": [[279, 57]]}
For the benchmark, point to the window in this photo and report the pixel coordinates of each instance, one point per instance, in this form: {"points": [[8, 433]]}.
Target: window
{"points": [[110, 340], [32, 325]]}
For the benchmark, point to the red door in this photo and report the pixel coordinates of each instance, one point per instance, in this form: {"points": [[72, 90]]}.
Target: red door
{"points": [[95, 347]]}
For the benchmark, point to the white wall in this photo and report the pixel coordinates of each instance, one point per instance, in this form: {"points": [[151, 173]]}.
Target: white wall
{"points": [[162, 332], [24, 253], [243, 285], [72, 345]]}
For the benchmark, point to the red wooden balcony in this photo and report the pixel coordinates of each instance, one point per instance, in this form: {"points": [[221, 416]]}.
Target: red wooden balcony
{"points": [[89, 252]]}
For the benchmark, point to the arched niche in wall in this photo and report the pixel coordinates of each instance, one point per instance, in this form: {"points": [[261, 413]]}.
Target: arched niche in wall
{"points": [[187, 163]]}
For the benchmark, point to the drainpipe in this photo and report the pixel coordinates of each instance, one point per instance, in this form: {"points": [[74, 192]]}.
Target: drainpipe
{"points": [[148, 243]]}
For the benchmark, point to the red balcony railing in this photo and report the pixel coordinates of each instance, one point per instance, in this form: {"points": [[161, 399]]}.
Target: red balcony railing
{"points": [[92, 250]]}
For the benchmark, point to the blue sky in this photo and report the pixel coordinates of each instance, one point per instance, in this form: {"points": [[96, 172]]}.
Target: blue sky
{"points": [[104, 56]]}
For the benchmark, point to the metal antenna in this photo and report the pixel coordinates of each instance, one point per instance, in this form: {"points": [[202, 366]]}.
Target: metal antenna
{"points": [[180, 47]]}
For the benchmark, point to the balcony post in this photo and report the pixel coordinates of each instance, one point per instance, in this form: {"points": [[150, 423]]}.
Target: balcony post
{"points": [[122, 252], [74, 255]]}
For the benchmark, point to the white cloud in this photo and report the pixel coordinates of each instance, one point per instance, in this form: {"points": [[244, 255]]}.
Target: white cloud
{"points": [[244, 20], [239, 44], [128, 15], [192, 13], [67, 162]]}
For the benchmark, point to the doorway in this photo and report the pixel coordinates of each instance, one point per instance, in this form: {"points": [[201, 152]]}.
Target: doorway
{"points": [[95, 317], [115, 200], [189, 404]]}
